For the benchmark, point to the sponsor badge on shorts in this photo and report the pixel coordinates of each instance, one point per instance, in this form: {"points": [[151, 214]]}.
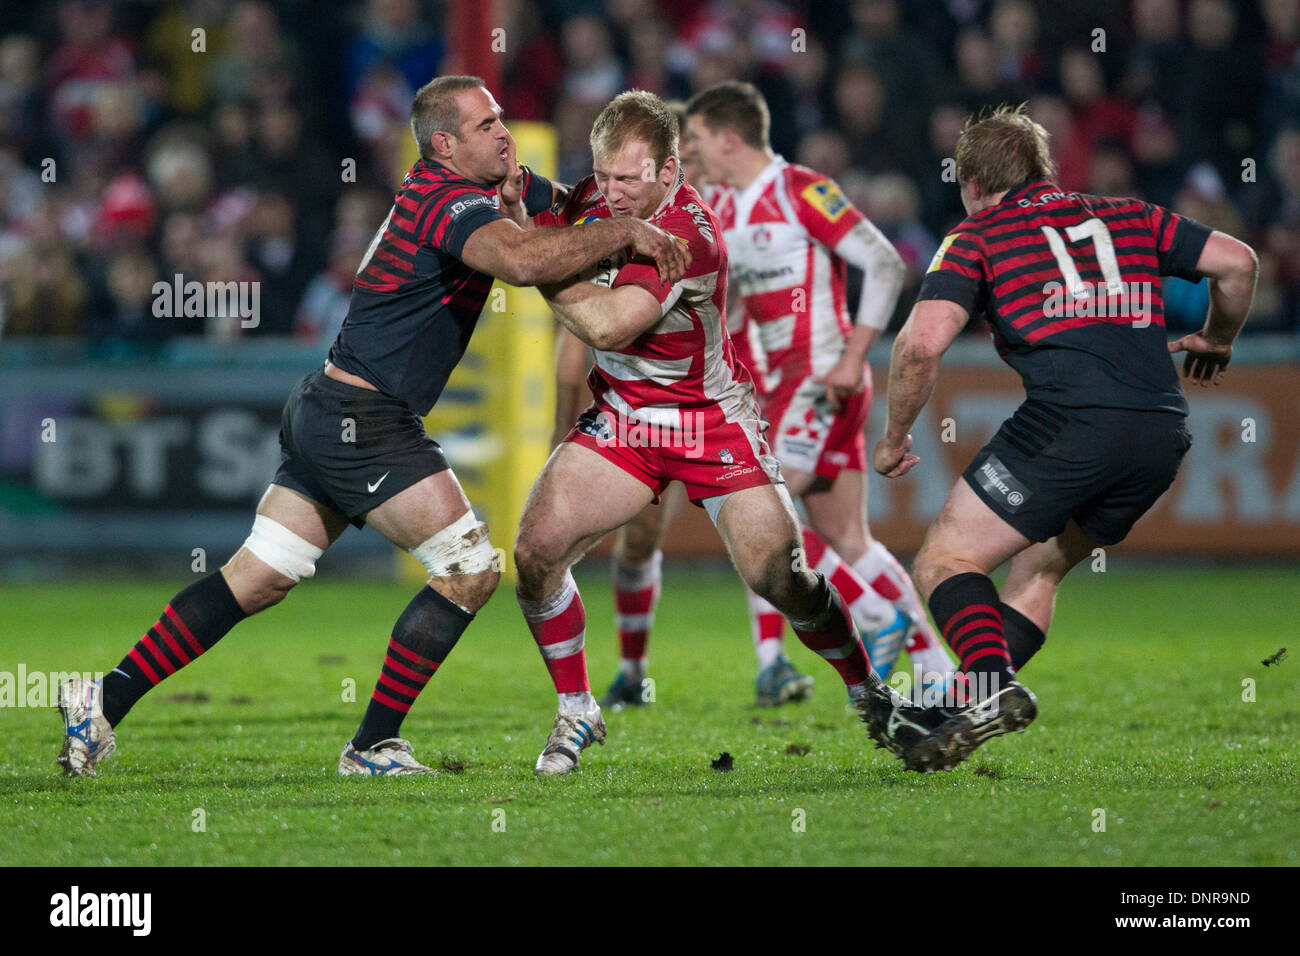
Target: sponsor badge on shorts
{"points": [[996, 479]]}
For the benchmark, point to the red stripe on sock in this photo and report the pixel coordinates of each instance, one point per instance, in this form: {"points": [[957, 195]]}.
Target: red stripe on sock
{"points": [[185, 631], [410, 655], [967, 612], [956, 637], [158, 655], [165, 633], [631, 644], [395, 664], [885, 587], [399, 687], [569, 674], [840, 631], [813, 547], [634, 600], [387, 701], [149, 672], [975, 639], [844, 582], [986, 652], [771, 626]]}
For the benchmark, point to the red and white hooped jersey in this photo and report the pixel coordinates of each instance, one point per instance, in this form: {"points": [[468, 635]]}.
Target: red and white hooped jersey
{"points": [[781, 232], [685, 361]]}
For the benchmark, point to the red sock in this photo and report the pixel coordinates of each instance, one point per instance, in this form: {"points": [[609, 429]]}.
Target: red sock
{"points": [[636, 592], [832, 636], [768, 626], [559, 626]]}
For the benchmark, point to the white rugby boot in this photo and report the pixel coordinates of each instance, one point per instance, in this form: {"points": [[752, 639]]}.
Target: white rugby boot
{"points": [[88, 737], [387, 758], [571, 734]]}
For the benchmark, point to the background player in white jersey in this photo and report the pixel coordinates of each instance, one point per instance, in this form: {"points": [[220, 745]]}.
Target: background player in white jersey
{"points": [[791, 233], [671, 404]]}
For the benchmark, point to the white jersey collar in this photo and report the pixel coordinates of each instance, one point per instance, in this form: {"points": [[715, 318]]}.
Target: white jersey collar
{"points": [[746, 198], [672, 193]]}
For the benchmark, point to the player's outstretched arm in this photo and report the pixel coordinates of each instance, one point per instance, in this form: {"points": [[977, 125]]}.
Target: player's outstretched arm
{"points": [[1232, 267], [913, 369], [550, 255], [605, 319]]}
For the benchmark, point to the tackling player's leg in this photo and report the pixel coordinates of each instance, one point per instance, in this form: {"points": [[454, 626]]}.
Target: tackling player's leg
{"points": [[559, 524], [433, 520], [289, 533]]}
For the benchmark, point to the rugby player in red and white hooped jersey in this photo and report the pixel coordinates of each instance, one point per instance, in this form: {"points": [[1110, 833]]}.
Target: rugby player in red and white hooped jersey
{"points": [[671, 404], [638, 554], [791, 234], [638, 545]]}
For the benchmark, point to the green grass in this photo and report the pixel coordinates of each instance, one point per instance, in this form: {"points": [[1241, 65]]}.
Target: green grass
{"points": [[1141, 714]]}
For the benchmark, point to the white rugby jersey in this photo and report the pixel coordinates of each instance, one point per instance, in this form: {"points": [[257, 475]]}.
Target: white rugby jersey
{"points": [[781, 232]]}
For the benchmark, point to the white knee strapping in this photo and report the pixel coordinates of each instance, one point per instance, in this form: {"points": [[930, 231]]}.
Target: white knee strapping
{"points": [[283, 550], [460, 548]]}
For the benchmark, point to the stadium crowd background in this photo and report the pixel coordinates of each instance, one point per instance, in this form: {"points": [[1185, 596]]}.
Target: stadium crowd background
{"points": [[226, 165]]}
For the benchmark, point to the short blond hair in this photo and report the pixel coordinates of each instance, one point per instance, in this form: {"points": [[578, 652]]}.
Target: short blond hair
{"points": [[1001, 148], [636, 116]]}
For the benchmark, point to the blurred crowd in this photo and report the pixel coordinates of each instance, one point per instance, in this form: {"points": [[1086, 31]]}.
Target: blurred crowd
{"points": [[249, 140]]}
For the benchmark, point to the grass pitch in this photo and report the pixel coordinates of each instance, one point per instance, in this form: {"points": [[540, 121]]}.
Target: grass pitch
{"points": [[1142, 716]]}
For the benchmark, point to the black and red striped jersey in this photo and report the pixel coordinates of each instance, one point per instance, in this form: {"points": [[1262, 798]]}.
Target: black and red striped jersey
{"points": [[1071, 284], [414, 302]]}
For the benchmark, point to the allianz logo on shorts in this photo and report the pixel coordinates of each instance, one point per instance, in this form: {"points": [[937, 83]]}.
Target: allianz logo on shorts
{"points": [[997, 480]]}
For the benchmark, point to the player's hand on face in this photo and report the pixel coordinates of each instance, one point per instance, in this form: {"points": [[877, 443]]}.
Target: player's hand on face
{"points": [[1205, 360], [891, 460], [847, 377], [511, 189], [669, 253]]}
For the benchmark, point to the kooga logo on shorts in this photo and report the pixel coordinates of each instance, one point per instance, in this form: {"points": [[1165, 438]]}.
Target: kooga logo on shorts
{"points": [[997, 480]]}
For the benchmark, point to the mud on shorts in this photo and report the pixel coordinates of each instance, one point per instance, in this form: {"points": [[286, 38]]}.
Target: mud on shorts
{"points": [[710, 456]]}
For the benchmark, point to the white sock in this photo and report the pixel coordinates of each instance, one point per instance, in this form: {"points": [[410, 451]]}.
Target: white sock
{"points": [[877, 562], [632, 669], [579, 703]]}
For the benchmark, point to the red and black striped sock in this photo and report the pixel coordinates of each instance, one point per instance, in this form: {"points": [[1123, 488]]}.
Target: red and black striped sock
{"points": [[422, 638], [966, 609], [196, 619]]}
